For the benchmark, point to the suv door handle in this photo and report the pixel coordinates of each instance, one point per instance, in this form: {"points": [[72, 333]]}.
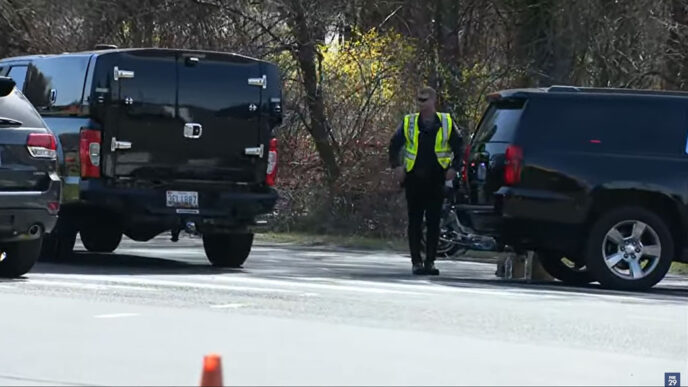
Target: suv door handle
{"points": [[114, 145]]}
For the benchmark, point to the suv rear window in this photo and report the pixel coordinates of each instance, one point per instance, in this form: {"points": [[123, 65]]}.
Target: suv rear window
{"points": [[500, 121], [610, 124], [18, 74], [17, 107]]}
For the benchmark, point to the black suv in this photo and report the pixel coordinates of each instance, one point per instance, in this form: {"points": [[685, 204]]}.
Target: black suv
{"points": [[29, 185], [157, 140], [595, 181]]}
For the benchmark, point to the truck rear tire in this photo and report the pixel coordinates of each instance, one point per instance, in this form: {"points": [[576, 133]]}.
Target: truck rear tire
{"points": [[101, 239], [19, 257], [227, 250]]}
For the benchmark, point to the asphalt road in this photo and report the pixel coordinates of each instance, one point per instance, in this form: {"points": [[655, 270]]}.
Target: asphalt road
{"points": [[147, 314]]}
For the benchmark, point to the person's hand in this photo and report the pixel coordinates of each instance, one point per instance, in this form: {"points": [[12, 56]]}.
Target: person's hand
{"points": [[399, 175], [451, 174]]}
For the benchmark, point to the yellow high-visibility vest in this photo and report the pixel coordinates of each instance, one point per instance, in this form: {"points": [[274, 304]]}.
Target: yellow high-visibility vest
{"points": [[442, 149]]}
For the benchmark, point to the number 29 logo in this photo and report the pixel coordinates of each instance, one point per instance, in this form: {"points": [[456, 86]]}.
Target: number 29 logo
{"points": [[672, 379]]}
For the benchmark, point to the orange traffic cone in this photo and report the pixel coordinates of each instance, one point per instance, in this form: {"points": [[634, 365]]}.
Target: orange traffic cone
{"points": [[212, 371]]}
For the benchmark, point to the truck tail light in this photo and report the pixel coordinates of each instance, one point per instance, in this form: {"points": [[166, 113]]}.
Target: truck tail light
{"points": [[271, 176], [89, 152], [464, 164]]}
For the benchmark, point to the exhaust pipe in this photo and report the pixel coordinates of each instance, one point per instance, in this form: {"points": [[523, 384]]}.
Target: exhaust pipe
{"points": [[35, 231]]}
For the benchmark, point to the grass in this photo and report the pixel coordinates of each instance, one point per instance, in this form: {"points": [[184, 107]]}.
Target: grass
{"points": [[350, 242], [361, 243]]}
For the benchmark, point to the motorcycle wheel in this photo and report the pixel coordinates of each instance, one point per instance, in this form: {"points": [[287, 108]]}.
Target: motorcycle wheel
{"points": [[444, 248]]}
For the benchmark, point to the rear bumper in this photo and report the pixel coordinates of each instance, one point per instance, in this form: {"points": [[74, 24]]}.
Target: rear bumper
{"points": [[528, 219], [217, 209], [483, 219], [21, 212]]}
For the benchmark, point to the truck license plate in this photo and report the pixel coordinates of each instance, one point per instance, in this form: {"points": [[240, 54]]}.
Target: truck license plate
{"points": [[182, 199]]}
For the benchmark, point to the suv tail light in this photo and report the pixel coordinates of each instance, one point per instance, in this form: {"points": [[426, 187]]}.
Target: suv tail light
{"points": [[53, 207], [271, 175], [513, 165], [42, 145], [89, 152], [464, 164]]}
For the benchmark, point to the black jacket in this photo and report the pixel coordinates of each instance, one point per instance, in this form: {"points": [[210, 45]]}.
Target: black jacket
{"points": [[426, 161]]}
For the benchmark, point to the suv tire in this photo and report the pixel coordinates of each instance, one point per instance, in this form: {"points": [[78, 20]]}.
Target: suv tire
{"points": [[20, 257], [618, 242], [554, 265], [101, 239], [227, 250], [59, 245]]}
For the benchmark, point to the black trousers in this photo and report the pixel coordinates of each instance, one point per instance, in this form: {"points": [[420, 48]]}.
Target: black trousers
{"points": [[424, 198]]}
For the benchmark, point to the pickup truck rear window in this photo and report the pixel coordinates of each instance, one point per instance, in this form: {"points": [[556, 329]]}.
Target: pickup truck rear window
{"points": [[500, 121], [56, 84]]}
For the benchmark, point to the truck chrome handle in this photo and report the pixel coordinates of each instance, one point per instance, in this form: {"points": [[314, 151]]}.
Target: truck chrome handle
{"points": [[193, 130], [261, 82], [122, 74], [257, 151], [114, 145]]}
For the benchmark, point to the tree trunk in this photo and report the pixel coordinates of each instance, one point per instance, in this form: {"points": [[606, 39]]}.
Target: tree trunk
{"points": [[306, 54]]}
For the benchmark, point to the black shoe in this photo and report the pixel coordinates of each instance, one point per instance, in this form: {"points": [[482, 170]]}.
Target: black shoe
{"points": [[418, 269], [430, 268]]}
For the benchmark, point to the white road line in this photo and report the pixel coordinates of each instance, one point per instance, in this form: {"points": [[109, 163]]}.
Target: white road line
{"points": [[310, 279], [341, 285], [228, 306], [116, 315], [425, 287], [336, 285], [89, 286], [361, 286], [298, 287], [155, 282]]}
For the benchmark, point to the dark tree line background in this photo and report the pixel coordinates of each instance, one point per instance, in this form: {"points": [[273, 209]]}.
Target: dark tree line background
{"points": [[351, 67]]}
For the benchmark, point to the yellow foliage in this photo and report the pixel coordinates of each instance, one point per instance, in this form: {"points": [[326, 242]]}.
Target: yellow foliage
{"points": [[369, 62]]}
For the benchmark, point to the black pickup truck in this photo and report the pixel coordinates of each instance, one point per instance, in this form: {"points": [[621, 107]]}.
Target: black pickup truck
{"points": [[157, 140]]}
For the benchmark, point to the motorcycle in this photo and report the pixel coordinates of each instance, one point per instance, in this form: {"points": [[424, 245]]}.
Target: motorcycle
{"points": [[457, 238]]}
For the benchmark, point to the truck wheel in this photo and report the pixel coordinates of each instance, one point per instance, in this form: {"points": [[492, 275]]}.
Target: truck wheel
{"points": [[101, 239], [227, 250], [563, 269], [629, 248], [59, 245], [18, 257]]}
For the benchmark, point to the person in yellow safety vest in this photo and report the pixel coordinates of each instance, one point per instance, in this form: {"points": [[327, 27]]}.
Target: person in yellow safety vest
{"points": [[430, 142]]}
